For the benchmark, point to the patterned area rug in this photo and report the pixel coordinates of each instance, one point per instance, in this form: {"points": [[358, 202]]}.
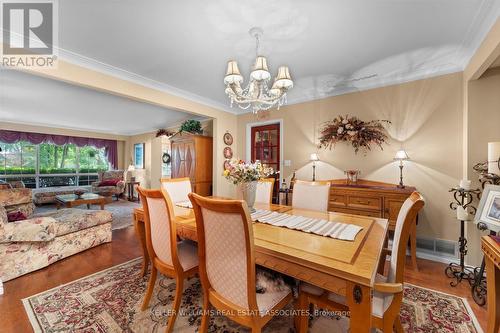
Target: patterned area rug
{"points": [[110, 300], [122, 211]]}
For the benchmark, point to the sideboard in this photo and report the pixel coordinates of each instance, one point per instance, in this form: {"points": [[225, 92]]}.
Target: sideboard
{"points": [[375, 199]]}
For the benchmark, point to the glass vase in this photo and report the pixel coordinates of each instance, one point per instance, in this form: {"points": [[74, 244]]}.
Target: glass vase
{"points": [[246, 192]]}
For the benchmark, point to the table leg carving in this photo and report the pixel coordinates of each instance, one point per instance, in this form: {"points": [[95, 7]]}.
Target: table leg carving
{"points": [[359, 300], [140, 231]]}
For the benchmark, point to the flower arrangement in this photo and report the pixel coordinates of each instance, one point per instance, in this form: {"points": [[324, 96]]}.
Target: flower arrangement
{"points": [[361, 134], [237, 171]]}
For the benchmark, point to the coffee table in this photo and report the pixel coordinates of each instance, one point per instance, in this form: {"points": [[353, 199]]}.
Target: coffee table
{"points": [[72, 200]]}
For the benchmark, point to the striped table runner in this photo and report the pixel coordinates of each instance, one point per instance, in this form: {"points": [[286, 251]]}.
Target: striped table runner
{"points": [[320, 227], [184, 204]]}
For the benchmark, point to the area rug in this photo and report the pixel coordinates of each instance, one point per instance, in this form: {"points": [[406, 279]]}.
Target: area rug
{"points": [[122, 211], [110, 300]]}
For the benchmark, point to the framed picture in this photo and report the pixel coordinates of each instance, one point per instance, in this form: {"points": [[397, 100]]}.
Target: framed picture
{"points": [[228, 153], [228, 139], [139, 155], [488, 211]]}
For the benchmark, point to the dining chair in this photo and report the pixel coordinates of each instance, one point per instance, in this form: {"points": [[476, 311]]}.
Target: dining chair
{"points": [[264, 192], [178, 260], [177, 188], [311, 195], [227, 264], [388, 290]]}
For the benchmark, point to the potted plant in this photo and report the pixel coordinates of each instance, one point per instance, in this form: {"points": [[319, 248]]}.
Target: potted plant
{"points": [[245, 176], [191, 126]]}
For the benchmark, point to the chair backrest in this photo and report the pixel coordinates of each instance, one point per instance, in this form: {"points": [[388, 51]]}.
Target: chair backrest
{"points": [[404, 224], [177, 188], [111, 174], [264, 192], [225, 250], [161, 237], [311, 195]]}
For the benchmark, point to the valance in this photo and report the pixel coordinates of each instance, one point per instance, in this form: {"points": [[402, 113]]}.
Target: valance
{"points": [[110, 146]]}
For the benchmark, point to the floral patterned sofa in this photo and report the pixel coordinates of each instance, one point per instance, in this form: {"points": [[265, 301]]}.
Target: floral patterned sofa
{"points": [[43, 239], [116, 190]]}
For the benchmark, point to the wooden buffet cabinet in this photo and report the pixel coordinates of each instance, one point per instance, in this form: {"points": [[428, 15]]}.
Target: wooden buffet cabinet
{"points": [[192, 157]]}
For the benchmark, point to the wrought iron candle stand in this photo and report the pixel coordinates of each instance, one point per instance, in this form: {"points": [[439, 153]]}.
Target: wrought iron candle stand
{"points": [[463, 198], [479, 289]]}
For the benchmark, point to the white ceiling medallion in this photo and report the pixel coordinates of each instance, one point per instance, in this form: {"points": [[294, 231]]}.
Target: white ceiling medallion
{"points": [[257, 93]]}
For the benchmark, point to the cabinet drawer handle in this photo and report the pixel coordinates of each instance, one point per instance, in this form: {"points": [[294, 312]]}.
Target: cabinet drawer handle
{"points": [[363, 202]]}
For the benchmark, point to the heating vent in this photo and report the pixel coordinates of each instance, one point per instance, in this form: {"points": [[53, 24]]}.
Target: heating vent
{"points": [[437, 247]]}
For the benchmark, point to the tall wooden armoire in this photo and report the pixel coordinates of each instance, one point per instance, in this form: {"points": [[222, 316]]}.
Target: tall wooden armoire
{"points": [[192, 157]]}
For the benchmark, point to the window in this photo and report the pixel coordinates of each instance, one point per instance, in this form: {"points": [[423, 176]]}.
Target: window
{"points": [[48, 165]]}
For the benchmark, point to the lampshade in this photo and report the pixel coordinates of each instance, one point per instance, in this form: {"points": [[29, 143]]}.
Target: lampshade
{"points": [[274, 91], [314, 157], [401, 155], [283, 79], [493, 156], [260, 70], [233, 74]]}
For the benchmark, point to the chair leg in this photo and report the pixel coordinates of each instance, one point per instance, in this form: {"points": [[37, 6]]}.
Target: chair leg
{"points": [[205, 315], [151, 287], [177, 302], [397, 325]]}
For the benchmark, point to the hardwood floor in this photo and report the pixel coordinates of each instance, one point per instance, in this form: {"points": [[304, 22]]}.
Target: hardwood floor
{"points": [[125, 246]]}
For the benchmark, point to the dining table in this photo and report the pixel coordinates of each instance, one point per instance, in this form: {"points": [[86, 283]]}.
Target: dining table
{"points": [[347, 268]]}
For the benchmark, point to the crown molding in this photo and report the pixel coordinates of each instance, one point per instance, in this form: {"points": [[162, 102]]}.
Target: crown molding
{"points": [[123, 74]]}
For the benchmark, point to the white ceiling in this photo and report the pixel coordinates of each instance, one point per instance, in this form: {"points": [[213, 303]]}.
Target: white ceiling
{"points": [[34, 100], [183, 46]]}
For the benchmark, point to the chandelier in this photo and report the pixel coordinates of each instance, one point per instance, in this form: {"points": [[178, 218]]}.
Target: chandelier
{"points": [[257, 93]]}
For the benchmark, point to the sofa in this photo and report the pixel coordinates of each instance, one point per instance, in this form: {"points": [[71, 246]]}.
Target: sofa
{"points": [[40, 240], [101, 188]]}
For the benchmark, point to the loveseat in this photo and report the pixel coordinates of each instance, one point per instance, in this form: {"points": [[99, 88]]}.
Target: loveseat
{"points": [[109, 183], [40, 240]]}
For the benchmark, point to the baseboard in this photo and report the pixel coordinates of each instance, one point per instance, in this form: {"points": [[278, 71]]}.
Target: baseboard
{"points": [[437, 257]]}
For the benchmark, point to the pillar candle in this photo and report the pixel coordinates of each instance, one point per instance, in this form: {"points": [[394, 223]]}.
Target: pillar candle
{"points": [[465, 184], [462, 214], [493, 156]]}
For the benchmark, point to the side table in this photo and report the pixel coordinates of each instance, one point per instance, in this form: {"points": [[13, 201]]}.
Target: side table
{"points": [[130, 186]]}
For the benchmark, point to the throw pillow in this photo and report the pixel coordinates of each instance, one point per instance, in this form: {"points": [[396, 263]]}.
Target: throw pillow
{"points": [[109, 182], [16, 216]]}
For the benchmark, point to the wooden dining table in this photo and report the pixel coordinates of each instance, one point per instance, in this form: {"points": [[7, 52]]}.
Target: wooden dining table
{"points": [[347, 268]]}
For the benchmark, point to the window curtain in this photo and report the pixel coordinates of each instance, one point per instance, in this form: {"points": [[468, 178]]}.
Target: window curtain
{"points": [[110, 146]]}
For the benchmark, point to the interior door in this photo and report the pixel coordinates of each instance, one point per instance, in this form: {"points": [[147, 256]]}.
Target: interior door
{"points": [[265, 147]]}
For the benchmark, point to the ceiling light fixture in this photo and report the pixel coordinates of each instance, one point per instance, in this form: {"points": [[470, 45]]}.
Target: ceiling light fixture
{"points": [[257, 94]]}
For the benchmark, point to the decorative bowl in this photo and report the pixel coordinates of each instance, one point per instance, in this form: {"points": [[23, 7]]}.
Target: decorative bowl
{"points": [[79, 193]]}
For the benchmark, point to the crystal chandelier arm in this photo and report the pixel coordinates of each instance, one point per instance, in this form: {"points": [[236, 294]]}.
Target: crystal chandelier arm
{"points": [[240, 97]]}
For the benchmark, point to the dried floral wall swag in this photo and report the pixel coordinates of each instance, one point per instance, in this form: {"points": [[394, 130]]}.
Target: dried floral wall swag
{"points": [[163, 132], [360, 134]]}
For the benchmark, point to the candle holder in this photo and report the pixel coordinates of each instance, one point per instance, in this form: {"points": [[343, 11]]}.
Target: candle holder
{"points": [[462, 200]]}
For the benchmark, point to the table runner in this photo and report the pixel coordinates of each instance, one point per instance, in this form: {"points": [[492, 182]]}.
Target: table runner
{"points": [[184, 204], [320, 227]]}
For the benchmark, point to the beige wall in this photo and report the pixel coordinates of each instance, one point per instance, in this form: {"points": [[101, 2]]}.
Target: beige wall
{"points": [[483, 127], [426, 118], [121, 139]]}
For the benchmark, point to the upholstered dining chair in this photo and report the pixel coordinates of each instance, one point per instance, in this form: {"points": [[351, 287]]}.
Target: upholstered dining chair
{"points": [[178, 260], [264, 192], [177, 188], [227, 264], [388, 290], [311, 195]]}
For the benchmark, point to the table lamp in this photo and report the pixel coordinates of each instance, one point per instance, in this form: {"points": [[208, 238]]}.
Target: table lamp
{"points": [[401, 156], [313, 158], [130, 172]]}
